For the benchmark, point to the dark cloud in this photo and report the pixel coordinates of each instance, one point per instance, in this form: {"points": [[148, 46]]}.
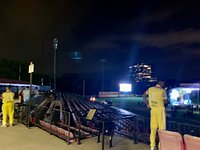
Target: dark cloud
{"points": [[160, 40]]}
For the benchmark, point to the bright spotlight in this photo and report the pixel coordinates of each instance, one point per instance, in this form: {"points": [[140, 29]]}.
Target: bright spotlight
{"points": [[125, 87]]}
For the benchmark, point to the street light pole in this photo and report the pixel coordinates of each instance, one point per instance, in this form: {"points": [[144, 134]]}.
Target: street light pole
{"points": [[83, 88], [20, 71], [55, 46], [102, 74]]}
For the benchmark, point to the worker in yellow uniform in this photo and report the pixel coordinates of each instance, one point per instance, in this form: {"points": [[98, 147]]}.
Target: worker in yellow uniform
{"points": [[8, 107], [156, 99]]}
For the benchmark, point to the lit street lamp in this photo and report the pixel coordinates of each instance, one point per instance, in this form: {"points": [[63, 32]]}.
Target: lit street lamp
{"points": [[55, 46]]}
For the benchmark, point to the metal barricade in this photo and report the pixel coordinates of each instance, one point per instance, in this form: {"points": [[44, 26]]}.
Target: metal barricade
{"points": [[55, 122]]}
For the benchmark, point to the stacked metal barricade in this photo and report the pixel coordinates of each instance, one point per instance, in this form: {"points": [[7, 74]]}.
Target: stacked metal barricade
{"points": [[66, 117]]}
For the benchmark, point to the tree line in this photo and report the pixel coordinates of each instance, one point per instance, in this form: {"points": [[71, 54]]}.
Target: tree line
{"points": [[10, 69], [70, 82]]}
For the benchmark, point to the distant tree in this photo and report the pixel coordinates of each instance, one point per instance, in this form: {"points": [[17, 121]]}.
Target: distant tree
{"points": [[92, 86], [10, 69], [40, 78], [71, 82]]}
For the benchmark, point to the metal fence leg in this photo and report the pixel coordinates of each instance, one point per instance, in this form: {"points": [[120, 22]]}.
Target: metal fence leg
{"points": [[68, 129], [79, 132], [98, 138], [103, 135], [135, 132], [110, 141]]}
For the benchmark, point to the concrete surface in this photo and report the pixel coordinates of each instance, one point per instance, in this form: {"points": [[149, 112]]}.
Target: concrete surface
{"points": [[19, 137]]}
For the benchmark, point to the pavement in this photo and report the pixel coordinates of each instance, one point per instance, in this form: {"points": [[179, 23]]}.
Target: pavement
{"points": [[19, 137]]}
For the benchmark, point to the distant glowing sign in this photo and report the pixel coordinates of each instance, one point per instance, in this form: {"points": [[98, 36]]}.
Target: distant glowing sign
{"points": [[76, 55], [124, 87]]}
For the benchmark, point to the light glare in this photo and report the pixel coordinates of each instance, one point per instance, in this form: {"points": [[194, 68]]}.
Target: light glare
{"points": [[125, 87]]}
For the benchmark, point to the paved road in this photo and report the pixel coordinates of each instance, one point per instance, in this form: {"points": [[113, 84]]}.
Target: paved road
{"points": [[19, 137]]}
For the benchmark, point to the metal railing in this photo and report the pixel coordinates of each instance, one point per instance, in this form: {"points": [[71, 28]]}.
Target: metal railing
{"points": [[143, 128], [72, 126]]}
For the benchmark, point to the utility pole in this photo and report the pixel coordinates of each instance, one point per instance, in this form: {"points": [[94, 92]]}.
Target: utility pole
{"points": [[30, 71], [55, 46], [20, 70], [102, 74], [83, 88]]}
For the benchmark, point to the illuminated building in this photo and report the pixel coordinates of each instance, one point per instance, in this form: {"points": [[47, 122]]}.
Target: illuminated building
{"points": [[142, 77], [141, 73]]}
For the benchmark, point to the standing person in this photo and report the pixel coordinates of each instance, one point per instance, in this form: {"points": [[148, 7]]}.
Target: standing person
{"points": [[8, 107], [26, 95], [21, 96], [36, 92], [157, 99]]}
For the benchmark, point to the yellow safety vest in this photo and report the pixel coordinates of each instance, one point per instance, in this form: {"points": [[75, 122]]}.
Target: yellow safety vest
{"points": [[8, 97], [156, 97]]}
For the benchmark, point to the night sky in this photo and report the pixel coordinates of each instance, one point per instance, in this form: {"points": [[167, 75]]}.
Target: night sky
{"points": [[164, 34]]}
